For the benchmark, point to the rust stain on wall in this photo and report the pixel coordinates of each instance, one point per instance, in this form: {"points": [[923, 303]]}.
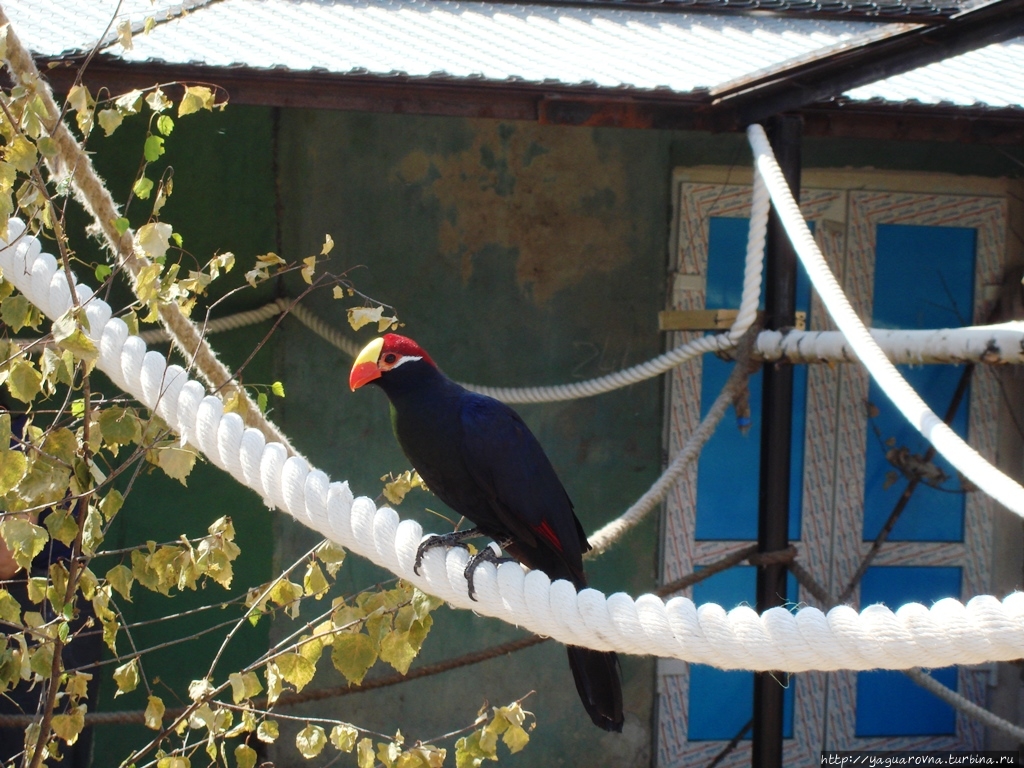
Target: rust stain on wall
{"points": [[550, 196]]}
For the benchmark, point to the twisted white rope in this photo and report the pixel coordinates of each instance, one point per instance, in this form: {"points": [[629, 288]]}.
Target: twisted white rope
{"points": [[226, 323], [327, 332], [760, 205], [608, 534], [997, 344], [985, 629], [964, 704], [968, 461]]}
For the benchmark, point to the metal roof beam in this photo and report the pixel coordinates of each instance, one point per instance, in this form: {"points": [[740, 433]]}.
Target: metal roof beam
{"points": [[815, 81], [586, 106]]}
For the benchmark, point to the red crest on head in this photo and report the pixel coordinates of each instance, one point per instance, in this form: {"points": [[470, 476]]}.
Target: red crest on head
{"points": [[403, 345]]}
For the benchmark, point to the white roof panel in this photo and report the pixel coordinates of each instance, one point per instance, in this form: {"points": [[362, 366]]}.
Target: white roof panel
{"points": [[497, 42], [419, 38], [988, 77], [51, 27]]}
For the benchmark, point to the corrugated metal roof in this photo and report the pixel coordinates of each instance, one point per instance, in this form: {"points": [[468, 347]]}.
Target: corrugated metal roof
{"points": [[52, 27], [424, 38], [533, 44], [988, 77], [496, 42]]}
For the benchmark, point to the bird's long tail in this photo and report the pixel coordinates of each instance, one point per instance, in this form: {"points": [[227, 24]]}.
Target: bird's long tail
{"points": [[598, 682]]}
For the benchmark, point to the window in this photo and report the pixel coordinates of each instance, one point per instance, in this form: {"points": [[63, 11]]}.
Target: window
{"points": [[931, 257]]}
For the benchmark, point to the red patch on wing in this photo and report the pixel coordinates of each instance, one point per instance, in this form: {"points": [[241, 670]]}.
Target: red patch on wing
{"points": [[548, 533], [403, 345]]}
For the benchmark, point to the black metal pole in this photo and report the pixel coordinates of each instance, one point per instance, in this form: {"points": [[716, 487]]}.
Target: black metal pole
{"points": [[776, 435]]}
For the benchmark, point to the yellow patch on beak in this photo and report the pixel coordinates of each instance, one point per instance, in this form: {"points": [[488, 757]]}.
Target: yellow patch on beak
{"points": [[364, 369]]}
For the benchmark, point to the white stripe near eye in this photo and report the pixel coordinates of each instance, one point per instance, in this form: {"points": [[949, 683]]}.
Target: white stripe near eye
{"points": [[403, 360]]}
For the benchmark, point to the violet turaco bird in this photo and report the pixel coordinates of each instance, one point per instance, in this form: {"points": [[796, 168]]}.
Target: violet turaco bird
{"points": [[478, 456]]}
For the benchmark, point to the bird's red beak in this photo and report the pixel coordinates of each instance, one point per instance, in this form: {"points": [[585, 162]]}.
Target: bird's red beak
{"points": [[364, 369]]}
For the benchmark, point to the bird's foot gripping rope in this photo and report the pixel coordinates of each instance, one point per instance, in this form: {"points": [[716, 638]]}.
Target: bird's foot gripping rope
{"points": [[447, 540], [456, 539], [489, 554]]}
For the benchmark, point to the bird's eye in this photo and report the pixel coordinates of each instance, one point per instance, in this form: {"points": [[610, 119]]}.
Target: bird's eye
{"points": [[390, 358]]}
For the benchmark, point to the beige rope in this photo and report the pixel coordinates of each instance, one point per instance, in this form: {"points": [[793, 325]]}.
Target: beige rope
{"points": [[72, 162]]}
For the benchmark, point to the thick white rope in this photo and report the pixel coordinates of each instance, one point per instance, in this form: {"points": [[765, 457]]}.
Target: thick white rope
{"points": [[985, 629], [996, 344], [72, 164], [968, 461]]}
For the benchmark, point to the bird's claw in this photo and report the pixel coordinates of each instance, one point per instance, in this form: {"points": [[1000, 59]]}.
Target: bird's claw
{"points": [[485, 555], [453, 539]]}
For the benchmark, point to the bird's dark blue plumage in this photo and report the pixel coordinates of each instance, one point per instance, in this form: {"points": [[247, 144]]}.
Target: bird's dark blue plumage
{"points": [[479, 457]]}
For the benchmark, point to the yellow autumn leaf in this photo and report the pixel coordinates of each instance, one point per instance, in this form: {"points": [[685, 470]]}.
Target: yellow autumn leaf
{"points": [[157, 100], [244, 686], [310, 741], [124, 34], [24, 381], [129, 103], [360, 316], [296, 669], [68, 726], [69, 333], [121, 578], [245, 756], [127, 677], [309, 270], [10, 608], [343, 737], [332, 555], [365, 757], [77, 686], [79, 98], [24, 539], [154, 238], [314, 583], [21, 153], [353, 654], [154, 713], [12, 469], [196, 97], [177, 462], [396, 490], [268, 731]]}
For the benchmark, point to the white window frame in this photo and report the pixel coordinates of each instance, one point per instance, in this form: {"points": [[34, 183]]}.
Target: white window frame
{"points": [[845, 206]]}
